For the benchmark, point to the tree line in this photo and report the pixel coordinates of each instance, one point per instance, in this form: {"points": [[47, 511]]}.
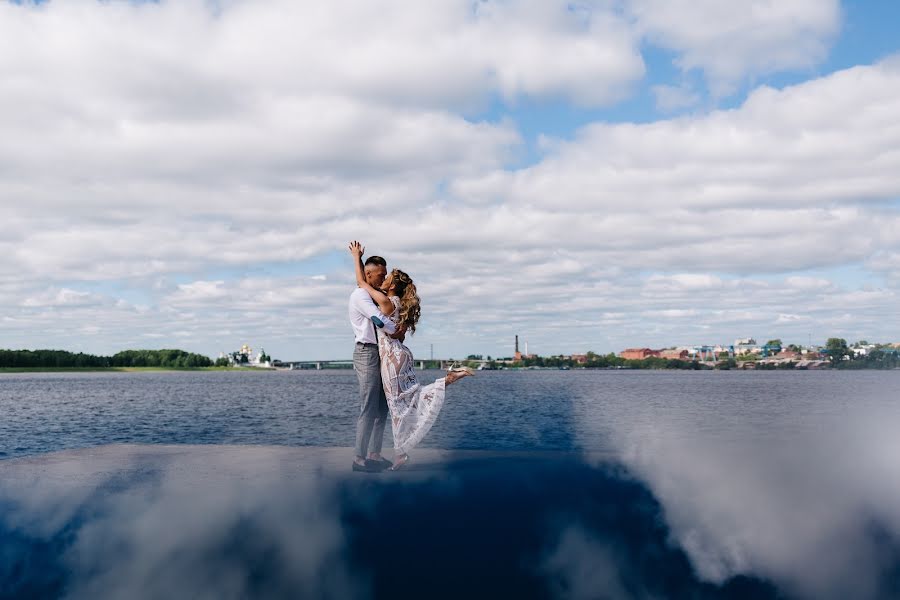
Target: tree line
{"points": [[842, 356], [177, 359]]}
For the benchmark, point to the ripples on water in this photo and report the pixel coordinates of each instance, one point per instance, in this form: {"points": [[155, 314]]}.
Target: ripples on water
{"points": [[725, 485], [543, 410]]}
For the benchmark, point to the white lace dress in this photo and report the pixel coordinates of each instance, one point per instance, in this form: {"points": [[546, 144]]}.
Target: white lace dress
{"points": [[414, 407]]}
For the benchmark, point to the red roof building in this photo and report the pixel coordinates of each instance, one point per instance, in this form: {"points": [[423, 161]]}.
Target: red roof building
{"points": [[638, 353]]}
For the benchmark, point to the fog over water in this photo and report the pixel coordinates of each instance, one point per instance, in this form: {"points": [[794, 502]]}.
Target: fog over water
{"points": [[647, 485]]}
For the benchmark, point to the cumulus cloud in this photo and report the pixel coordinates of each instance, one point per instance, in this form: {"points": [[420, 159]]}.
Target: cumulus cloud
{"points": [[62, 297], [729, 41], [810, 145], [886, 262], [670, 98], [215, 143]]}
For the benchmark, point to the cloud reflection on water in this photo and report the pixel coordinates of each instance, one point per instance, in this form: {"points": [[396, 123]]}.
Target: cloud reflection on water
{"points": [[157, 530], [814, 507], [524, 526]]}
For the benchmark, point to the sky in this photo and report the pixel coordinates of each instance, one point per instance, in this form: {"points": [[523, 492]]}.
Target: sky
{"points": [[587, 175]]}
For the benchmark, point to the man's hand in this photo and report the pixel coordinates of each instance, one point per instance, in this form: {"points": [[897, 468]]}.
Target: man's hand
{"points": [[357, 249], [400, 334]]}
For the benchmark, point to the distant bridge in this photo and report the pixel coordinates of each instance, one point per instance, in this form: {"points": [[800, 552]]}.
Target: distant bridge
{"points": [[348, 364]]}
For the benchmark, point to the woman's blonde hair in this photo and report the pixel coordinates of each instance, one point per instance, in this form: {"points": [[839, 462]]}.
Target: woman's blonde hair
{"points": [[410, 309]]}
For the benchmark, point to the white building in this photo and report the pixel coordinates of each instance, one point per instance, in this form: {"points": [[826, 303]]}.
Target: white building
{"points": [[745, 346], [862, 350], [244, 358]]}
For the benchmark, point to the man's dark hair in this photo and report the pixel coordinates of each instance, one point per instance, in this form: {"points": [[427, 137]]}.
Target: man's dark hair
{"points": [[377, 261]]}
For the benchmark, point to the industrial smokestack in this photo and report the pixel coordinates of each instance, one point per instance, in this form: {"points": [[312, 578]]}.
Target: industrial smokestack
{"points": [[517, 343]]}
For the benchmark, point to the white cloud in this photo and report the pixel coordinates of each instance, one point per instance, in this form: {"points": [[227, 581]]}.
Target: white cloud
{"points": [[886, 262], [61, 297], [788, 318], [730, 40], [207, 147], [200, 291], [813, 144], [809, 283], [588, 56], [670, 98], [439, 54]]}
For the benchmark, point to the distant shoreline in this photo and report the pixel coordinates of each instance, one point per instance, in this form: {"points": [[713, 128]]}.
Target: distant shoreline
{"points": [[115, 369], [4, 370]]}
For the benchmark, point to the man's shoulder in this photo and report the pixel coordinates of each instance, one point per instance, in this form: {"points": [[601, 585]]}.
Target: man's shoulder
{"points": [[358, 296]]}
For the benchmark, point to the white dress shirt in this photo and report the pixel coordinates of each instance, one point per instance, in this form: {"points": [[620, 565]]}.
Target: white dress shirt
{"points": [[362, 309]]}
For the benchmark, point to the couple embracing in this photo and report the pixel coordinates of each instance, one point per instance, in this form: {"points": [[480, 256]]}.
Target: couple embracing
{"points": [[383, 309]]}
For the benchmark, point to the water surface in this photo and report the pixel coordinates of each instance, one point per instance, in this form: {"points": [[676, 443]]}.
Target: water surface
{"points": [[777, 484], [539, 410]]}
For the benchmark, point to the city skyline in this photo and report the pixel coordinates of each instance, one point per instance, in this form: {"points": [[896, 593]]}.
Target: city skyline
{"points": [[597, 174]]}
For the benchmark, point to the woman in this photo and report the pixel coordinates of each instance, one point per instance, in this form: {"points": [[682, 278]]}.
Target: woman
{"points": [[414, 407]]}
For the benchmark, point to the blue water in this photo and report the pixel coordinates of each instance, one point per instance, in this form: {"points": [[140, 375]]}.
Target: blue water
{"points": [[754, 485], [534, 410]]}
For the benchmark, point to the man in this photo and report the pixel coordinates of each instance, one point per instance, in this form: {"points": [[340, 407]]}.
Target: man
{"points": [[373, 409]]}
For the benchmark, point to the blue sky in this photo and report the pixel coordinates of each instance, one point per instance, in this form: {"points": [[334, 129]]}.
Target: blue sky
{"points": [[867, 35], [633, 173]]}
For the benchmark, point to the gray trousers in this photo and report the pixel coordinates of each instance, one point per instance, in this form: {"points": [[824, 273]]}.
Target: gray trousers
{"points": [[373, 408]]}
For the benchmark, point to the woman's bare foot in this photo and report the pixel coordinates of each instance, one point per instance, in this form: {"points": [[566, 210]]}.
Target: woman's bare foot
{"points": [[457, 373], [399, 461]]}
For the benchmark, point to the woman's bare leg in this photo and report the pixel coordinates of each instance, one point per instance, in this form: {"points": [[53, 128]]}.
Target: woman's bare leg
{"points": [[399, 461], [455, 376]]}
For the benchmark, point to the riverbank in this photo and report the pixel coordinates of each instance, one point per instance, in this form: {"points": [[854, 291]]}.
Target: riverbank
{"points": [[112, 369]]}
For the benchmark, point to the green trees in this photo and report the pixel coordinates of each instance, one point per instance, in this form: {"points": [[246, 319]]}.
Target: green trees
{"points": [[836, 349], [881, 358], [772, 347], [128, 358], [173, 359], [50, 359]]}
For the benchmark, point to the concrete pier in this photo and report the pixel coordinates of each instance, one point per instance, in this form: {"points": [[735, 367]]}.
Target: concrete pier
{"points": [[199, 463]]}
